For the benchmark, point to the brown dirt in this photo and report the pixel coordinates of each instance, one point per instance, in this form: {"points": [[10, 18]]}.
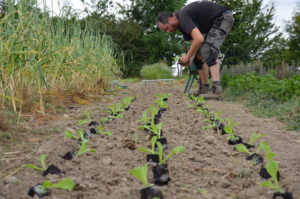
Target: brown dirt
{"points": [[208, 169]]}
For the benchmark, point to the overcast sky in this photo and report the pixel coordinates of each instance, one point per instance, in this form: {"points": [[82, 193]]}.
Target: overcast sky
{"points": [[283, 13]]}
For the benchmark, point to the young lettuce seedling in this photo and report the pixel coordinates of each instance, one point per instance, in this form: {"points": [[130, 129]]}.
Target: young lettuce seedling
{"points": [[100, 131], [163, 96], [176, 150], [144, 119], [255, 136], [84, 149], [156, 129], [141, 174], [161, 104], [152, 150], [79, 135], [43, 189], [229, 129], [42, 162], [273, 183], [88, 119]]}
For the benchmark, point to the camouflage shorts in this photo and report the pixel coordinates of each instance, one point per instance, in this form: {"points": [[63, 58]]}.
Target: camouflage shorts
{"points": [[210, 49]]}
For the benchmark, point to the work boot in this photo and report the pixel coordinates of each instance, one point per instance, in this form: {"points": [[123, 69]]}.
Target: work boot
{"points": [[215, 93], [203, 88]]}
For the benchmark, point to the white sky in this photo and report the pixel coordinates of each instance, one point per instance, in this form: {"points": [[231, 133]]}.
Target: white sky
{"points": [[283, 8]]}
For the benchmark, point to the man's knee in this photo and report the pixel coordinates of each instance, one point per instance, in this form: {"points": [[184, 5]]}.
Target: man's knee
{"points": [[210, 54]]}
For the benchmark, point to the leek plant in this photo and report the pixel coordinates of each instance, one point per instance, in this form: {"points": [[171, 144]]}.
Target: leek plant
{"points": [[41, 57]]}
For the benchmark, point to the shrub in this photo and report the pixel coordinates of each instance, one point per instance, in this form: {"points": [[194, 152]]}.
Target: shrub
{"points": [[156, 71]]}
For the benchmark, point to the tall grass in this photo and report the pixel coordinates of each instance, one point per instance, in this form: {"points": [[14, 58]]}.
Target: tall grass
{"points": [[40, 56]]}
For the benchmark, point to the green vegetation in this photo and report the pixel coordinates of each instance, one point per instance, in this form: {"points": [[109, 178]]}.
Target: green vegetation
{"points": [[140, 173], [65, 183], [175, 150], [84, 149], [156, 71], [42, 161], [267, 95], [41, 56]]}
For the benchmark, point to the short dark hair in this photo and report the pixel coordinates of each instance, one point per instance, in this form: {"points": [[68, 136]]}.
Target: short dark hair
{"points": [[162, 17]]}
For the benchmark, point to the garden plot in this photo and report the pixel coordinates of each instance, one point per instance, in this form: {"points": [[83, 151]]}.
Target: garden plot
{"points": [[209, 167]]}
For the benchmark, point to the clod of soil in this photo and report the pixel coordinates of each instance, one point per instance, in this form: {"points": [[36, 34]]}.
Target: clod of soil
{"points": [[69, 156], [36, 190], [129, 144], [210, 139], [151, 192], [161, 174], [264, 174], [53, 170], [285, 195], [236, 140]]}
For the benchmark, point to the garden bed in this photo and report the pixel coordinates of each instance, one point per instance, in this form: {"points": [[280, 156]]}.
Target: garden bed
{"points": [[209, 167]]}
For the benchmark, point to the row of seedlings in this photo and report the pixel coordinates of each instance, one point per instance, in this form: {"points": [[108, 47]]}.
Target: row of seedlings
{"points": [[269, 168], [44, 189], [155, 157]]}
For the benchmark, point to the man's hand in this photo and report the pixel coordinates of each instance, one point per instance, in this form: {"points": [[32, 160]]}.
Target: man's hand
{"points": [[184, 60]]}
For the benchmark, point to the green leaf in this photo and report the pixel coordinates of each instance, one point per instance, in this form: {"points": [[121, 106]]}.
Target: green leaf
{"points": [[69, 134], [270, 185], [176, 150], [140, 173], [228, 129], [272, 168], [255, 136], [242, 148], [32, 166], [145, 150], [83, 122], [43, 161], [46, 184], [153, 141], [66, 183], [160, 152]]}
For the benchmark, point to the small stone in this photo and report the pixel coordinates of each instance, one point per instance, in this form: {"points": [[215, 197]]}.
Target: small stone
{"points": [[110, 145], [124, 179], [12, 180], [107, 161], [224, 183], [66, 116], [210, 139]]}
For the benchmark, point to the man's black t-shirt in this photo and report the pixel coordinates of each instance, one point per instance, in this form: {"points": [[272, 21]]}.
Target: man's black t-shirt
{"points": [[198, 14]]}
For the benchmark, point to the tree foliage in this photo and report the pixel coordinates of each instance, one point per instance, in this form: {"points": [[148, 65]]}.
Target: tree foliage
{"points": [[253, 31], [293, 29]]}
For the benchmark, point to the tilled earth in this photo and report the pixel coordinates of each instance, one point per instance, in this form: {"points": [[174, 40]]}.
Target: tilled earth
{"points": [[210, 168]]}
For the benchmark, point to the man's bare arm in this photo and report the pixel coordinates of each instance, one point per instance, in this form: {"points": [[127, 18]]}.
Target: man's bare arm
{"points": [[196, 42]]}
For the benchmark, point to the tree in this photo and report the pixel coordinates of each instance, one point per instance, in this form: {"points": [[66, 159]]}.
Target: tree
{"points": [[253, 31], [293, 29]]}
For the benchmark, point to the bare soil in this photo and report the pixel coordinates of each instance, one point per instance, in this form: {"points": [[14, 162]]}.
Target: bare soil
{"points": [[209, 169]]}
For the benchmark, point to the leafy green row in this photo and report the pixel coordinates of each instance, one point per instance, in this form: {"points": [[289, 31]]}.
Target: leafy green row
{"points": [[269, 85], [215, 122]]}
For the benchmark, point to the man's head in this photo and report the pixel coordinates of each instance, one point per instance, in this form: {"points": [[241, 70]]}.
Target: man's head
{"points": [[167, 21]]}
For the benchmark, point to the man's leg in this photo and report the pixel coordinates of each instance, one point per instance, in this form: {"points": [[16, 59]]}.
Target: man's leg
{"points": [[203, 78], [215, 71]]}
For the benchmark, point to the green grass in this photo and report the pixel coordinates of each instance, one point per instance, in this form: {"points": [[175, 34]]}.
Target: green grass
{"points": [[156, 71], [263, 106], [130, 80]]}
